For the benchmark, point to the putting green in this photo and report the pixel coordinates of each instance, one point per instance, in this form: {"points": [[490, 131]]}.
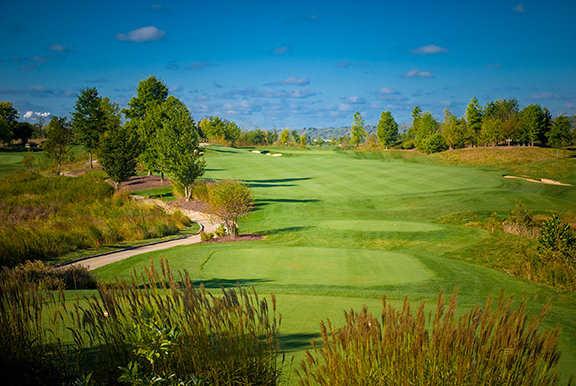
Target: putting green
{"points": [[319, 266], [380, 226]]}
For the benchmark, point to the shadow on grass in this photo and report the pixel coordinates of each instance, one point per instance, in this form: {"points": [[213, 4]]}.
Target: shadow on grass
{"points": [[229, 283], [283, 230], [222, 150], [260, 185], [274, 181], [295, 342], [213, 170], [261, 202]]}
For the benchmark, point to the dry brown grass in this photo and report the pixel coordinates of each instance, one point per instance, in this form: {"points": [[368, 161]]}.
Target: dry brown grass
{"points": [[494, 344]]}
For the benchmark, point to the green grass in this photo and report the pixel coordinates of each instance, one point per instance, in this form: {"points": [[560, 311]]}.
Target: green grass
{"points": [[344, 229]]}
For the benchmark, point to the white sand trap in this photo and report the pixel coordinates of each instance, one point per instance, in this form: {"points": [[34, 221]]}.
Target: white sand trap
{"points": [[255, 151], [276, 155], [546, 181]]}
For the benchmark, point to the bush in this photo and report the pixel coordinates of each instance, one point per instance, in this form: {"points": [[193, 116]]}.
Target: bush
{"points": [[433, 143], [520, 222], [48, 277], [230, 200], [206, 236], [485, 346]]}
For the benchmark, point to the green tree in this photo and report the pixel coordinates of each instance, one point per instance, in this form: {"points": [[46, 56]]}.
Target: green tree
{"points": [[177, 144], [110, 114], [426, 125], [387, 129], [151, 91], [453, 130], [118, 153], [8, 117], [218, 130], [560, 134], [303, 140], [491, 132], [505, 111], [58, 141], [473, 118], [533, 123], [88, 120], [143, 116], [23, 131], [230, 200], [284, 138], [357, 131]]}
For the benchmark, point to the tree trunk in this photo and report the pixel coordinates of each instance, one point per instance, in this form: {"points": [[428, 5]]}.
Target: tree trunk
{"points": [[90, 152], [187, 192], [233, 229], [149, 173], [161, 176], [116, 185]]}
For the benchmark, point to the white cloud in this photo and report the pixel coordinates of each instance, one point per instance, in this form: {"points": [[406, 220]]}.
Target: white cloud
{"points": [[281, 50], [140, 35], [429, 49], [519, 8], [57, 48], [387, 91], [35, 115], [418, 74], [290, 81]]}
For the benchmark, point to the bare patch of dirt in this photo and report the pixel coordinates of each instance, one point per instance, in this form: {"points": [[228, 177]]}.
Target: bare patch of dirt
{"points": [[227, 239], [546, 181], [195, 205]]}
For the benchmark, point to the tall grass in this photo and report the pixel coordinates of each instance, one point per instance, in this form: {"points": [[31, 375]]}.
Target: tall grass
{"points": [[496, 344], [164, 331], [45, 217]]}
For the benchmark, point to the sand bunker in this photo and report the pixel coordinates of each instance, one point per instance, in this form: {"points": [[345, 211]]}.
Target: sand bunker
{"points": [[266, 152], [546, 181]]}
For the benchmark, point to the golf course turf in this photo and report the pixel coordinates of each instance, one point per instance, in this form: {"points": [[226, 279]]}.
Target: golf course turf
{"points": [[343, 230]]}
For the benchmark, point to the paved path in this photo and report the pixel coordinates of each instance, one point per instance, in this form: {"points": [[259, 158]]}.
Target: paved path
{"points": [[208, 223]]}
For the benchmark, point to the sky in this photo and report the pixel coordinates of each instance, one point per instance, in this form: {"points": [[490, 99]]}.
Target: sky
{"points": [[295, 64]]}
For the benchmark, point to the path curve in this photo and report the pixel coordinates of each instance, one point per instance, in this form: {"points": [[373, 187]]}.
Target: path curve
{"points": [[208, 224]]}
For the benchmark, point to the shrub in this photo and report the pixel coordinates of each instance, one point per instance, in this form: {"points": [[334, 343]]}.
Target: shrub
{"points": [[206, 236], [485, 346], [520, 222], [433, 143], [220, 231], [48, 277], [230, 200]]}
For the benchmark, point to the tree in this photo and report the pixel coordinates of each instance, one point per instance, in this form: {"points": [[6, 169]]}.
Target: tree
{"points": [[58, 140], [473, 118], [177, 145], [118, 153], [426, 125], [88, 120], [533, 123], [357, 131], [387, 129], [218, 130], [303, 140], [491, 132], [284, 138], [8, 117], [143, 116], [110, 114], [230, 200], [151, 91], [505, 111], [23, 131], [453, 130], [560, 134]]}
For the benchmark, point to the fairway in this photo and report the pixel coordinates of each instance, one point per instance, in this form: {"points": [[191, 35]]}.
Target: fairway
{"points": [[343, 230]]}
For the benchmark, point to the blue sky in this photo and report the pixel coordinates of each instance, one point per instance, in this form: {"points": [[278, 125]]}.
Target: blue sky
{"points": [[276, 64]]}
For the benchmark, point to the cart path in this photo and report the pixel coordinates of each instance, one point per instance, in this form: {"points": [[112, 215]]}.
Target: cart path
{"points": [[207, 223]]}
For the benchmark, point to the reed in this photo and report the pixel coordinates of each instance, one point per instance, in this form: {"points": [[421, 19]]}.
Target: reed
{"points": [[495, 344]]}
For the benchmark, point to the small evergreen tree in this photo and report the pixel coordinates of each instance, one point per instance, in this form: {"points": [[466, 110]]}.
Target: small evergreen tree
{"points": [[473, 118], [357, 131], [533, 123], [453, 130], [387, 129], [177, 145], [58, 140], [88, 120], [118, 153]]}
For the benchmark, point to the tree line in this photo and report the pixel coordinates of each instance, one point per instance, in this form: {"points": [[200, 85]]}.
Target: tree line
{"points": [[158, 132], [499, 122]]}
